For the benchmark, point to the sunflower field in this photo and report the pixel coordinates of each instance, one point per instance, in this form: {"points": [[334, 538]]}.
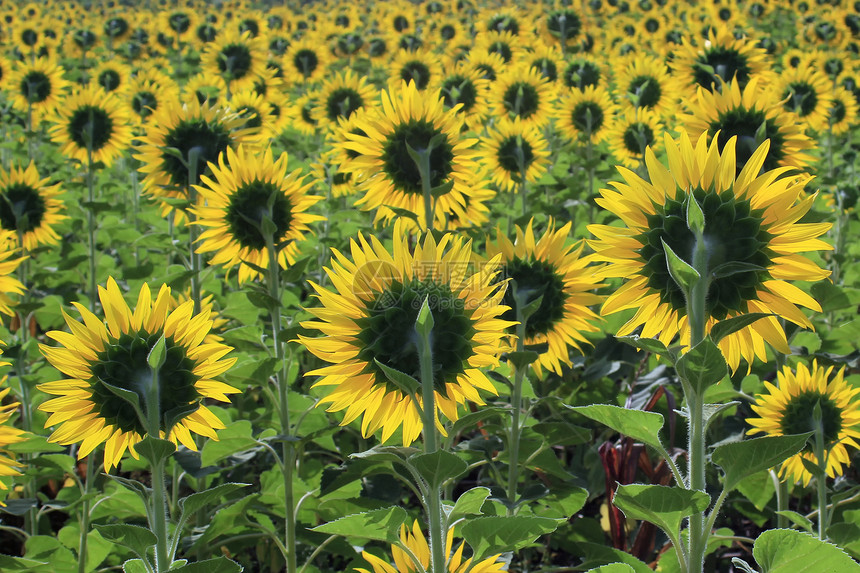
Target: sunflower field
{"points": [[429, 286]]}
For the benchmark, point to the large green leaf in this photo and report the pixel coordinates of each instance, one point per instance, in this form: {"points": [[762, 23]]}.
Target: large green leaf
{"points": [[731, 325], [742, 459], [663, 506], [612, 568], [380, 524], [702, 366], [491, 535], [469, 503], [790, 551], [641, 426], [237, 437], [201, 499], [217, 565], [595, 554], [135, 537], [438, 467]]}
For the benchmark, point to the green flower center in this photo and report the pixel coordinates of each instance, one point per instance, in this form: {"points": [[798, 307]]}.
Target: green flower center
{"points": [[21, 208], [645, 90], [29, 37], [84, 39], [652, 25], [488, 71], [388, 332], [306, 61], [307, 113], [400, 23], [401, 168], [459, 89], [522, 99], [746, 125], [278, 46], [546, 67], [92, 125], [250, 26], [123, 364], [723, 62], [234, 61], [209, 139], [581, 75], [144, 103], [736, 243], [416, 71], [36, 86], [248, 208], [515, 152], [563, 24], [206, 33], [116, 27], [447, 32], [637, 136], [342, 102], [502, 49], [837, 112], [179, 22], [376, 47], [251, 115], [350, 43], [533, 279], [504, 23], [797, 416], [410, 42], [587, 117], [801, 98], [109, 80]]}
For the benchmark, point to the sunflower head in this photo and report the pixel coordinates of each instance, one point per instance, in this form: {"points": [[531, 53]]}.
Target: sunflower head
{"points": [[369, 320], [99, 356], [247, 192], [789, 406], [752, 239], [29, 207]]}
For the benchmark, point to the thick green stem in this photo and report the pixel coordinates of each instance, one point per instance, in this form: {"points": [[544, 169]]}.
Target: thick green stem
{"points": [[516, 407], [158, 509], [433, 501], [426, 190], [196, 262], [781, 499], [821, 479], [91, 221], [288, 451], [84, 519]]}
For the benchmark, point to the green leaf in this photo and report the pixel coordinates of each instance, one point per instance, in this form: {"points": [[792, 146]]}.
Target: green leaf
{"points": [[490, 535], [154, 449], [612, 568], [133, 485], [424, 323], [790, 551], [695, 216], [682, 273], [641, 426], [830, 296], [34, 445], [217, 565], [731, 325], [846, 536], [469, 503], [702, 366], [562, 433], [138, 539], [380, 524], [157, 354], [402, 380], [646, 344], [521, 360], [663, 506], [197, 501], [732, 268], [438, 467], [63, 462], [10, 563], [742, 459], [135, 566], [50, 549], [799, 520], [595, 554], [386, 454], [235, 438]]}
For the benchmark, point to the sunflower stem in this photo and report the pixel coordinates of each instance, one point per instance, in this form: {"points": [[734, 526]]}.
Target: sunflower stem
{"points": [[424, 329], [516, 406], [157, 465], [821, 478], [196, 263], [288, 452], [781, 499], [91, 217], [84, 518]]}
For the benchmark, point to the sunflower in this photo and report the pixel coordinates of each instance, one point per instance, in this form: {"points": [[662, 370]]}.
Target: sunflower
{"points": [[787, 408], [307, 59], [340, 96], [843, 111], [257, 113], [302, 114], [387, 173], [36, 85], [29, 207], [97, 354], [415, 66], [237, 198], [92, 119], [116, 28], [630, 132], [645, 82], [547, 60], [144, 96], [369, 320], [751, 116], [237, 59], [204, 88], [81, 41], [585, 112], [9, 435], [523, 92], [207, 130], [417, 544], [178, 23], [507, 45], [465, 89], [513, 148], [489, 66], [547, 268], [805, 93], [584, 71], [722, 58], [111, 75], [563, 27], [754, 245]]}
